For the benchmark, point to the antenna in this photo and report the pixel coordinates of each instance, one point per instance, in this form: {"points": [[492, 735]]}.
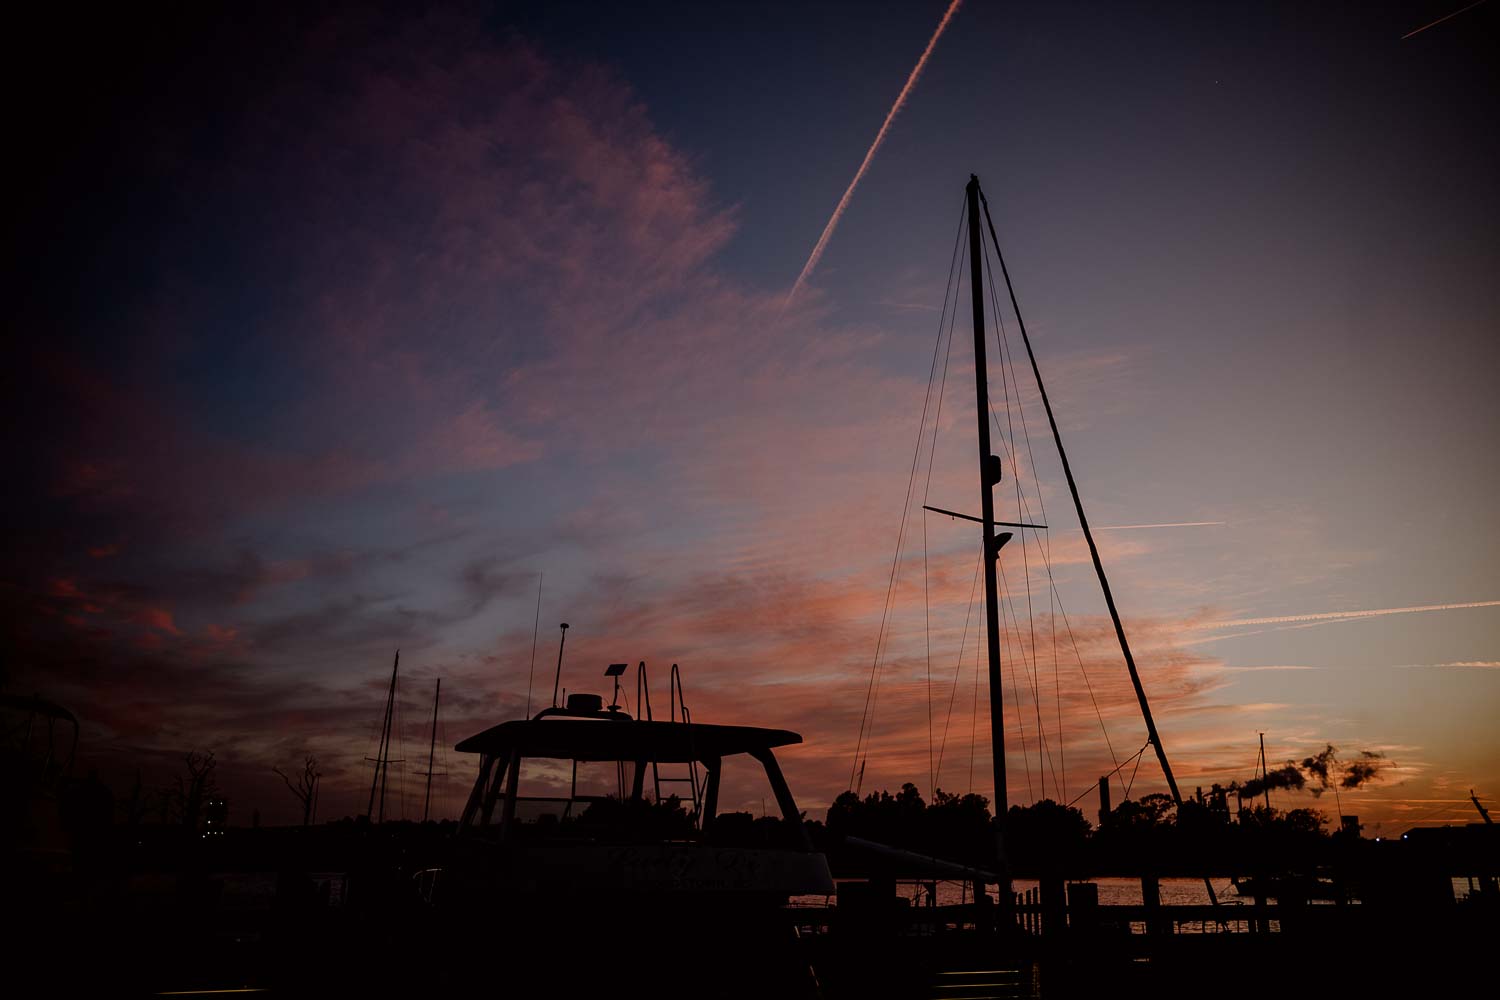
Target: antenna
{"points": [[537, 621], [615, 670], [557, 678]]}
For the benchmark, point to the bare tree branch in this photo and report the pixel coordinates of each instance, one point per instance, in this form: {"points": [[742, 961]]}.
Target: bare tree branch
{"points": [[305, 787]]}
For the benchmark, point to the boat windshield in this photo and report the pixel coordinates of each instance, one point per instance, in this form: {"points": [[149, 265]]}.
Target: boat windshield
{"points": [[630, 782]]}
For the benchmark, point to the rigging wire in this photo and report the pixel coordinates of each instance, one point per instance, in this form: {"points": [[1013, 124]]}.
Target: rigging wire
{"points": [[927, 634], [872, 688], [1023, 645], [1062, 747], [445, 804], [1034, 675], [937, 419], [1044, 539], [1008, 379], [1032, 667], [1129, 784], [398, 724], [974, 715], [372, 752], [1135, 756], [957, 668], [1032, 662], [1067, 622], [1008, 602], [1074, 641], [1109, 601], [1003, 342], [911, 483], [1440, 809]]}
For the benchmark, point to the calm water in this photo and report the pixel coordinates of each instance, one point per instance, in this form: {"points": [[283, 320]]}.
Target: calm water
{"points": [[1112, 892]]}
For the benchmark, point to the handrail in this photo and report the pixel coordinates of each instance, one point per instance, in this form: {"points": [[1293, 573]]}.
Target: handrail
{"points": [[676, 699]]}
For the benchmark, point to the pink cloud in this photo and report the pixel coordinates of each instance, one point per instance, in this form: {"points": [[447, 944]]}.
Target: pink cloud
{"points": [[221, 633], [484, 259], [159, 619], [475, 440], [458, 197]]}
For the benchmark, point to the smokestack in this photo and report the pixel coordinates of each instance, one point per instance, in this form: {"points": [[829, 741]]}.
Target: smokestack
{"points": [[1104, 800]]}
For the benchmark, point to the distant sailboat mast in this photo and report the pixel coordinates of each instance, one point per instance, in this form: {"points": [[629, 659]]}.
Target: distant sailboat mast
{"points": [[383, 752], [431, 750]]}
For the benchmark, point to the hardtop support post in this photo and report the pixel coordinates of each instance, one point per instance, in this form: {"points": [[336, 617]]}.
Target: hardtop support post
{"points": [[783, 795], [710, 792], [476, 795], [512, 782]]}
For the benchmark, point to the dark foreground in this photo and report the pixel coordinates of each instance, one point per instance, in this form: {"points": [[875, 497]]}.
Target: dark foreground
{"points": [[377, 934]]}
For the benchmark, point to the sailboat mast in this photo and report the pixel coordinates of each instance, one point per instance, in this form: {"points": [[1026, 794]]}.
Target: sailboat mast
{"points": [[1088, 535], [989, 475], [431, 749], [382, 752]]}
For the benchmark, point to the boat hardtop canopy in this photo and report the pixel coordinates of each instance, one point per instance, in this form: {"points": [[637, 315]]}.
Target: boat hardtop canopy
{"points": [[623, 738]]}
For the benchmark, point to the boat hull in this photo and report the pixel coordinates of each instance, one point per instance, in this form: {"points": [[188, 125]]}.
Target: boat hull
{"points": [[653, 869]]}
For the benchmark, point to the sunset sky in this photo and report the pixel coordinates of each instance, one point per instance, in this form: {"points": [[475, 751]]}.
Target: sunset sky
{"points": [[332, 331]]}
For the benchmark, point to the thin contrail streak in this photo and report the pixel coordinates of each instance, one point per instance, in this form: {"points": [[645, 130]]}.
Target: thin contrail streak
{"points": [[1440, 20], [1174, 524], [1338, 615], [1274, 628], [838, 213], [1475, 664]]}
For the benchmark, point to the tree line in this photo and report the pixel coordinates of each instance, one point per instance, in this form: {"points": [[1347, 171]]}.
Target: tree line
{"points": [[1148, 833]]}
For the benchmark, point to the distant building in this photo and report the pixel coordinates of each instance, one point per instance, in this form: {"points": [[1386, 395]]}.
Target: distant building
{"points": [[215, 818]]}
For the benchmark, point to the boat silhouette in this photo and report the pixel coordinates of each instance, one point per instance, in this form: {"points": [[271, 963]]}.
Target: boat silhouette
{"points": [[631, 846], [629, 866]]}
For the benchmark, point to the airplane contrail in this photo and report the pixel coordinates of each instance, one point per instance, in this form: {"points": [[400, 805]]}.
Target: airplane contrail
{"points": [[838, 213], [1338, 615], [1173, 524], [1434, 24], [1474, 664]]}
